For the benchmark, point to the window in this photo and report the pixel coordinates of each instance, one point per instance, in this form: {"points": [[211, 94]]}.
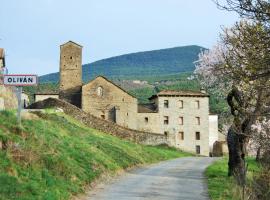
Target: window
{"points": [[166, 120], [197, 104], [198, 149], [181, 120], [146, 119], [100, 91], [198, 121], [166, 133], [181, 135], [166, 103], [198, 136], [180, 104], [102, 116]]}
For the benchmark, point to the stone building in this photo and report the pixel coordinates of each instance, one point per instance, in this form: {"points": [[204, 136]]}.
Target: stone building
{"points": [[182, 116], [2, 59], [106, 100], [71, 73], [8, 98]]}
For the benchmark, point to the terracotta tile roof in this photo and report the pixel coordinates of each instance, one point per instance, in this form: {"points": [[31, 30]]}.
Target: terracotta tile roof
{"points": [[147, 108], [181, 93], [71, 43]]}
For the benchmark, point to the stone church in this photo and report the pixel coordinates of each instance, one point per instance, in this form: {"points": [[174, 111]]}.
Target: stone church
{"points": [[182, 115]]}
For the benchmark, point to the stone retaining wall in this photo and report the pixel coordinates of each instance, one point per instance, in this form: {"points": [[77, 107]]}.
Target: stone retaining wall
{"points": [[102, 125]]}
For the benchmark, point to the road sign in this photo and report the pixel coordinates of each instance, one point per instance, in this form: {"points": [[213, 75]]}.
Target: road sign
{"points": [[20, 80]]}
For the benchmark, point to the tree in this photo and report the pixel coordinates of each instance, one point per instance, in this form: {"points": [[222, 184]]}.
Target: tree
{"points": [[258, 10], [239, 66]]}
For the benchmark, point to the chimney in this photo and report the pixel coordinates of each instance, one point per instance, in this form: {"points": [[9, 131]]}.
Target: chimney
{"points": [[203, 90]]}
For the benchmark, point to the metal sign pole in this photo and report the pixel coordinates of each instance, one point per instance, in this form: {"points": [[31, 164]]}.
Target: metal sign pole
{"points": [[19, 96]]}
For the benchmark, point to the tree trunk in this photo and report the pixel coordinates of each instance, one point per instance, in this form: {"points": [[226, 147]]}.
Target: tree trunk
{"points": [[237, 150], [258, 154]]}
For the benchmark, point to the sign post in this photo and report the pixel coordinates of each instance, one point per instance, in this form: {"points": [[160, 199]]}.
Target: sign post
{"points": [[20, 81], [19, 96]]}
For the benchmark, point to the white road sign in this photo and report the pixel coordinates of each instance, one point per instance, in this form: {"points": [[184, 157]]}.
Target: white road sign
{"points": [[20, 80]]}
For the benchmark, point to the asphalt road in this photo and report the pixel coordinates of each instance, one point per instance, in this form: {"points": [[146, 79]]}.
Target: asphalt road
{"points": [[180, 179]]}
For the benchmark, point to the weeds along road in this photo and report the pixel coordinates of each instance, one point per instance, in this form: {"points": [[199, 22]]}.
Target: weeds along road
{"points": [[180, 179]]}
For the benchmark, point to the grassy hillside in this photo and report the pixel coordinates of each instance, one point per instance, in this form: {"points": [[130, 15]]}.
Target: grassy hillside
{"points": [[149, 63], [55, 157]]}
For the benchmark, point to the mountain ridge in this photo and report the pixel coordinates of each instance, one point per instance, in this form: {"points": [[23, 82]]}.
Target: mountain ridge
{"points": [[146, 63]]}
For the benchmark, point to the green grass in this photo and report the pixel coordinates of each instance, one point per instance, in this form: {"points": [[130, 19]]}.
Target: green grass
{"points": [[55, 157], [222, 187]]}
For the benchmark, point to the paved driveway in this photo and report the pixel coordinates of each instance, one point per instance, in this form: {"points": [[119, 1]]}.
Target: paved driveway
{"points": [[180, 179]]}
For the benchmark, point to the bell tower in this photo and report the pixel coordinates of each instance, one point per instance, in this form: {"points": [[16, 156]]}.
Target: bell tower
{"points": [[70, 88]]}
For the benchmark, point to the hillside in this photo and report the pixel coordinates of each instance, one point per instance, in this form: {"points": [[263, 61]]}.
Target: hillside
{"points": [[149, 63], [55, 157]]}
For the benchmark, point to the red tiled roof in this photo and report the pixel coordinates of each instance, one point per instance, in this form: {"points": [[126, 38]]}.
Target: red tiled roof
{"points": [[183, 93]]}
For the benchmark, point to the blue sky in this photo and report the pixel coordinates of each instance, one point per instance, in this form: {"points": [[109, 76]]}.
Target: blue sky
{"points": [[32, 30]]}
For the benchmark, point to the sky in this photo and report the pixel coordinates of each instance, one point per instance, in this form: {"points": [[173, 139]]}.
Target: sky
{"points": [[31, 31]]}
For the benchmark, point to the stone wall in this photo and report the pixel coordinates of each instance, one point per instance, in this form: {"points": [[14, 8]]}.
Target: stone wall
{"points": [[8, 98], [102, 125]]}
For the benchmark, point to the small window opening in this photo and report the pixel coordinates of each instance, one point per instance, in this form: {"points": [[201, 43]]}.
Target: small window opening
{"points": [[198, 149], [198, 136], [166, 133], [198, 120], [181, 104], [197, 104], [181, 120], [102, 116], [146, 119], [181, 135], [166, 120], [166, 103]]}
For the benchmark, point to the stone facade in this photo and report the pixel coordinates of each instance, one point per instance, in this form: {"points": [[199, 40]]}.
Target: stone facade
{"points": [[181, 116], [104, 99], [71, 73]]}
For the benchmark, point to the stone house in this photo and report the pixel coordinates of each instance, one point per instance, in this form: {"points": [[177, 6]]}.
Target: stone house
{"points": [[183, 116]]}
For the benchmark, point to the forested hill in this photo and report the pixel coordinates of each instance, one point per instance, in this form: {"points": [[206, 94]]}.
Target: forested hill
{"points": [[134, 65]]}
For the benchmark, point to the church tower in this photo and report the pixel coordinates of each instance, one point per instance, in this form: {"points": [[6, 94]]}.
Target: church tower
{"points": [[70, 88]]}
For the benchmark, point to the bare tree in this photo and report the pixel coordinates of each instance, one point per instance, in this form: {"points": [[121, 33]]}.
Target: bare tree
{"points": [[253, 9]]}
